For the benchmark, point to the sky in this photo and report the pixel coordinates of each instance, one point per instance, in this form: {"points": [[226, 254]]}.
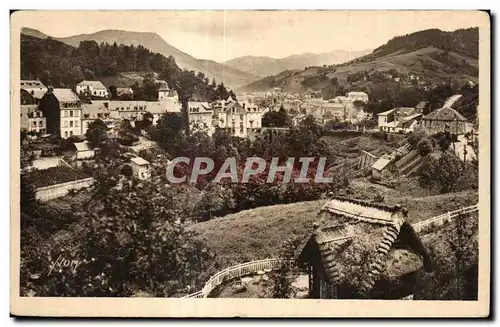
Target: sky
{"points": [[223, 35]]}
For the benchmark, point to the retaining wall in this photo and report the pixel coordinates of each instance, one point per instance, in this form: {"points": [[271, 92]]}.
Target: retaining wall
{"points": [[46, 193]]}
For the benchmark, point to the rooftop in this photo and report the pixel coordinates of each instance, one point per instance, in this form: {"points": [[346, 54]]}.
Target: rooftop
{"points": [[83, 146], [94, 84], [445, 114], [139, 161], [388, 112], [65, 95], [31, 84], [381, 163], [365, 233]]}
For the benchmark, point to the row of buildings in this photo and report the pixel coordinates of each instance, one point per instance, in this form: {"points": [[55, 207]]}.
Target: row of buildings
{"points": [[45, 110], [407, 119], [241, 119]]}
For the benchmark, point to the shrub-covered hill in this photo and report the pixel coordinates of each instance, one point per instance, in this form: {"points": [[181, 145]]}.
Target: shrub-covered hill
{"points": [[420, 58]]}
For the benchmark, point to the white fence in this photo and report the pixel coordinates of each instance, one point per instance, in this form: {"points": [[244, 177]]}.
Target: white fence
{"points": [[446, 217], [254, 266], [239, 270]]}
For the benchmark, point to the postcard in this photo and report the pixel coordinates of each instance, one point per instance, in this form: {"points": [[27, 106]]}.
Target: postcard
{"points": [[250, 163]]}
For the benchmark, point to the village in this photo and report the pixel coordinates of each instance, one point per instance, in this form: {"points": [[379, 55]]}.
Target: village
{"points": [[146, 172], [68, 114]]}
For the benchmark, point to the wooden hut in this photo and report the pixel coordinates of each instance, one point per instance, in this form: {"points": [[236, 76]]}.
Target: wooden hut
{"points": [[362, 250]]}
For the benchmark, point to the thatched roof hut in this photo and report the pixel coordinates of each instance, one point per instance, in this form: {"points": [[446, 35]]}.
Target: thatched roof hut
{"points": [[357, 247]]}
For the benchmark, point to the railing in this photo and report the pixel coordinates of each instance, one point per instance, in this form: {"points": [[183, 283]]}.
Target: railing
{"points": [[446, 217], [239, 270], [274, 263]]}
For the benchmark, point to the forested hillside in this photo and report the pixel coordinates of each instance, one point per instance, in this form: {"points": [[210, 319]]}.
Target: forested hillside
{"points": [[61, 65], [426, 65]]}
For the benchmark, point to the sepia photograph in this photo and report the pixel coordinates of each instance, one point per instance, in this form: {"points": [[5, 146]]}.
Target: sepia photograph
{"points": [[310, 157]]}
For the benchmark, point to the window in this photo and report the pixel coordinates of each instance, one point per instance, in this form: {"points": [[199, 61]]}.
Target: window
{"points": [[66, 123], [34, 124], [76, 123], [65, 113], [41, 123], [71, 113], [70, 133], [66, 134], [241, 117], [70, 123]]}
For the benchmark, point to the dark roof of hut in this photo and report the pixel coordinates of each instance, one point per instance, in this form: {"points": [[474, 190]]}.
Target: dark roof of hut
{"points": [[350, 229]]}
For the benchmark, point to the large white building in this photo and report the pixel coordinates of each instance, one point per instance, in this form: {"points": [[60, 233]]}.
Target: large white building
{"points": [[92, 88], [357, 96], [70, 112], [239, 119]]}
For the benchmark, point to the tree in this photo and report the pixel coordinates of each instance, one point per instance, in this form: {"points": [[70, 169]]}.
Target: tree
{"points": [[113, 92], [276, 118], [414, 138], [454, 250], [444, 142], [283, 279], [425, 147], [97, 133], [358, 104], [131, 239], [442, 174], [169, 132]]}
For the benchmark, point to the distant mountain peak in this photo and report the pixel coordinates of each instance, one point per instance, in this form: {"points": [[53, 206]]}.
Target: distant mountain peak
{"points": [[155, 43]]}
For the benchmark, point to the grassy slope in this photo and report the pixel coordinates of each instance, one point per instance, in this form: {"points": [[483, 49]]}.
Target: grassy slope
{"points": [[258, 233], [419, 62]]}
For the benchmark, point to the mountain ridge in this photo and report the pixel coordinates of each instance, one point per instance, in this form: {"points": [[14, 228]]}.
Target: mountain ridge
{"points": [[426, 56], [266, 66], [154, 42]]}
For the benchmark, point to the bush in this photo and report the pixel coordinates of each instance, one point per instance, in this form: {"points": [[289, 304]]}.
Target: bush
{"points": [[447, 174], [425, 147], [414, 138]]}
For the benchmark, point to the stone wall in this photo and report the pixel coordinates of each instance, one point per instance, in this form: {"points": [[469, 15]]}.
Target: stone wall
{"points": [[46, 193]]}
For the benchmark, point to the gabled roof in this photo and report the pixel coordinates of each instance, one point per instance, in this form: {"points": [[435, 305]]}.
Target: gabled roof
{"points": [[65, 95], [27, 109], [445, 114], [388, 112], [348, 226], [405, 111], [163, 87], [238, 108], [124, 91], [422, 105], [139, 161], [410, 117], [354, 93], [95, 84], [32, 84], [381, 163], [83, 146]]}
